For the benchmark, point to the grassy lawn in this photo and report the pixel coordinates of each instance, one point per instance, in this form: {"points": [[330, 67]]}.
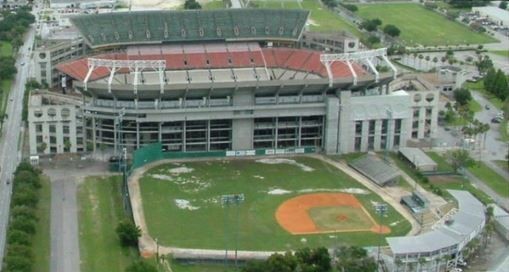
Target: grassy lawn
{"points": [[100, 210], [503, 165], [41, 242], [504, 136], [443, 182], [322, 19], [492, 179], [459, 183], [5, 49], [180, 267], [479, 87], [421, 26], [214, 5], [5, 87], [442, 163], [503, 53], [474, 106], [177, 205]]}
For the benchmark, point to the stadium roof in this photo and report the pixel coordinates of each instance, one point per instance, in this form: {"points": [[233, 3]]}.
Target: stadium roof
{"points": [[152, 27], [418, 158], [469, 219], [375, 169]]}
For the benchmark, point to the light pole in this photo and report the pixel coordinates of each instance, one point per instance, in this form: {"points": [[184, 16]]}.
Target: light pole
{"points": [[227, 200], [381, 210]]}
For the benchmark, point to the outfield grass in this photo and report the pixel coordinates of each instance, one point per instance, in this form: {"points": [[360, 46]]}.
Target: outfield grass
{"points": [[421, 26], [322, 18], [479, 87], [100, 210], [490, 178], [204, 227], [41, 242]]}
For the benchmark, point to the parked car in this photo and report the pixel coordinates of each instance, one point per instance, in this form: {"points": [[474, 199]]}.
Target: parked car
{"points": [[487, 107], [496, 120]]}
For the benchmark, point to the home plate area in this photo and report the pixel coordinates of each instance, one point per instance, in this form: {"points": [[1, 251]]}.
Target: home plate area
{"points": [[326, 213]]}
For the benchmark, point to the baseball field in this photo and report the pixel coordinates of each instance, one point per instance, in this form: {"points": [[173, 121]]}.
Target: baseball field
{"points": [[287, 203]]}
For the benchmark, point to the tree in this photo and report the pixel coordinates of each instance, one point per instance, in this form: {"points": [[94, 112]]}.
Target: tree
{"points": [[141, 266], [281, 263], [392, 30], [459, 158], [371, 25], [354, 259], [41, 147], [316, 260], [128, 233], [503, 4], [462, 96], [191, 4], [483, 64], [500, 86]]}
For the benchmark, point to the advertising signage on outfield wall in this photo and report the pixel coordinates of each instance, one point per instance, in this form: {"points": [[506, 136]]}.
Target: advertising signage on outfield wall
{"points": [[279, 151]]}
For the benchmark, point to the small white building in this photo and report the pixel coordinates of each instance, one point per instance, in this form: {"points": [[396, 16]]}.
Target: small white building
{"points": [[495, 14]]}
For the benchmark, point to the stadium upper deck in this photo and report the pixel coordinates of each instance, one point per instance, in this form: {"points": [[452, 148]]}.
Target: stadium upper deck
{"points": [[149, 27]]}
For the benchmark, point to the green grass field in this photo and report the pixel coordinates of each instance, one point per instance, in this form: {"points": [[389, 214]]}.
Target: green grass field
{"points": [[214, 5], [5, 49], [200, 221], [503, 53], [491, 178], [322, 19], [442, 164], [41, 242], [100, 210], [421, 26], [179, 267]]}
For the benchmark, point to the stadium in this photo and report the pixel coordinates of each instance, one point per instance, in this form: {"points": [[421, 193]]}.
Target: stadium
{"points": [[233, 79]]}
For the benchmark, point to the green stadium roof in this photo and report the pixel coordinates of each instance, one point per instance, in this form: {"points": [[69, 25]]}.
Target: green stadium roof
{"points": [[149, 27]]}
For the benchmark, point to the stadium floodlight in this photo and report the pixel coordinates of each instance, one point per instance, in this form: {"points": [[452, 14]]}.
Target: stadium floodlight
{"points": [[134, 66], [226, 201], [362, 56], [381, 209]]}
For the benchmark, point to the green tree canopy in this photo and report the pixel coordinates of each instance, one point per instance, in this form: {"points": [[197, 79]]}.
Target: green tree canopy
{"points": [[191, 4], [462, 96], [392, 30], [128, 233]]}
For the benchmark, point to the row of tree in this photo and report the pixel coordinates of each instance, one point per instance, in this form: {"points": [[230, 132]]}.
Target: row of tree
{"points": [[15, 24], [495, 82], [373, 24], [351, 259], [128, 235], [23, 220]]}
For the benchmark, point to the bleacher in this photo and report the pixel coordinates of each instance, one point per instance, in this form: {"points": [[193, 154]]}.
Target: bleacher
{"points": [[160, 26], [268, 63]]}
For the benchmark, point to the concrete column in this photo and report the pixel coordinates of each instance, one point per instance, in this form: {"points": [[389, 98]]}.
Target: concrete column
{"points": [[365, 135], [422, 121], [32, 138], [208, 135], [390, 135], [299, 132], [276, 133], [60, 137], [242, 134], [72, 132], [346, 133], [184, 124], [160, 136], [94, 137], [137, 135], [331, 125], [378, 136]]}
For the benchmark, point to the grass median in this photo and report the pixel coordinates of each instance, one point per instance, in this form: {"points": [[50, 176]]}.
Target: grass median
{"points": [[100, 210]]}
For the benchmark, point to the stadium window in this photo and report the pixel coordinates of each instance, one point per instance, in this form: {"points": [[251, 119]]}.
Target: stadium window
{"points": [[208, 62], [185, 62], [201, 32], [252, 60], [229, 61]]}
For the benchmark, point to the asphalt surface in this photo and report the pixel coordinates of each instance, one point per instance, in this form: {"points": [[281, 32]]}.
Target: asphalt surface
{"points": [[10, 156], [64, 226]]}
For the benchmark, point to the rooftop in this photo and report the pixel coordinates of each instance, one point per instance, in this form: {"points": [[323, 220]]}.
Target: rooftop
{"points": [[462, 227]]}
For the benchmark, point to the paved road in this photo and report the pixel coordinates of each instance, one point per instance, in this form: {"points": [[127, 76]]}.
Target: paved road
{"points": [[65, 176], [9, 153], [64, 226]]}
